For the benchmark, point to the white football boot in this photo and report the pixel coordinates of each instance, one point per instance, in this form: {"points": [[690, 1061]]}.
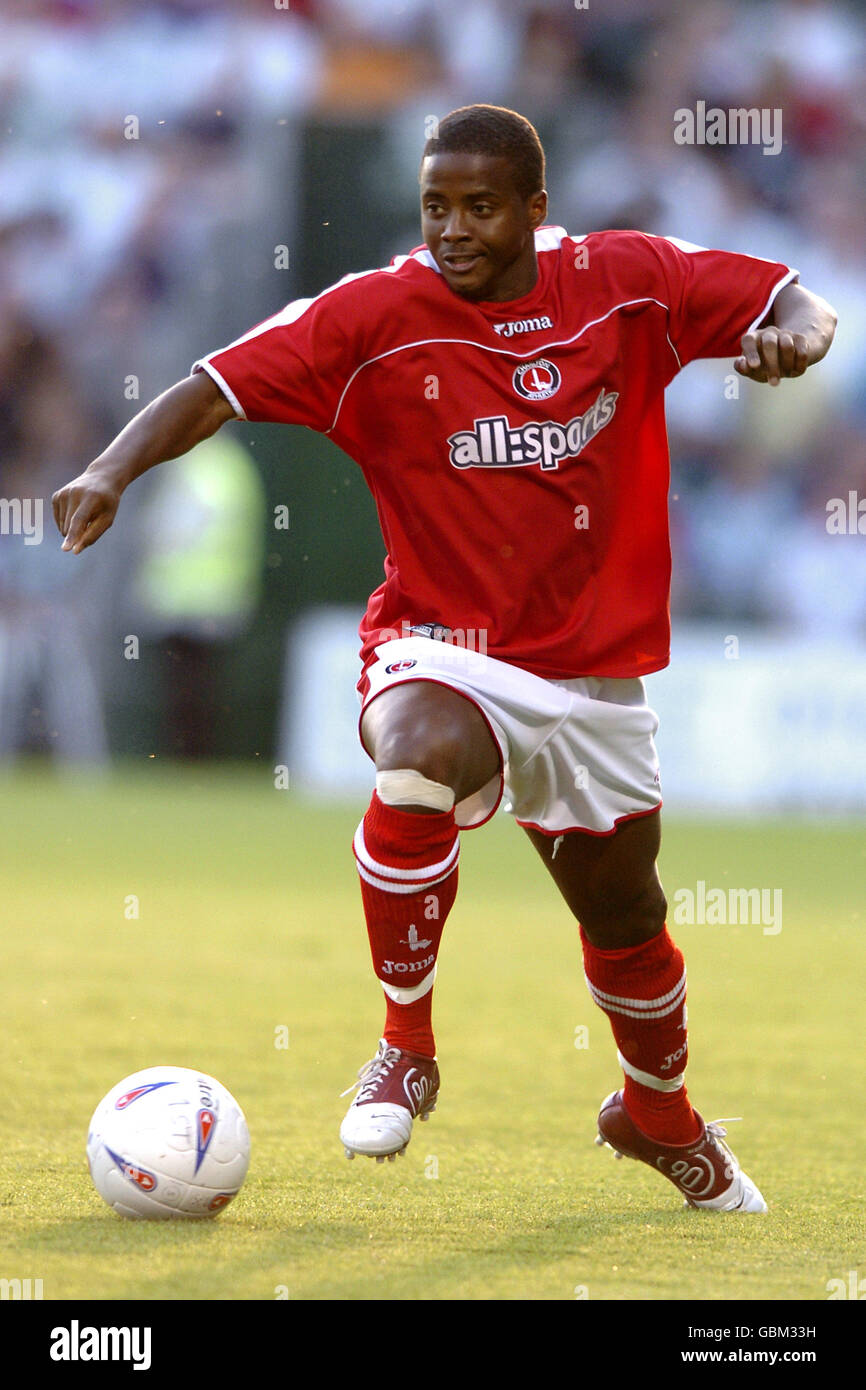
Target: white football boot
{"points": [[394, 1089]]}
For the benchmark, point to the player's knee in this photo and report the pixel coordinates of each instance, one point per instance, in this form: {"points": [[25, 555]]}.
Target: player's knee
{"points": [[436, 751], [405, 786], [648, 909], [435, 732], [655, 905], [619, 915], [437, 760]]}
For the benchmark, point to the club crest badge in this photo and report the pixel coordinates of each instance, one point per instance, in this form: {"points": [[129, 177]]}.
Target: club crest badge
{"points": [[538, 380]]}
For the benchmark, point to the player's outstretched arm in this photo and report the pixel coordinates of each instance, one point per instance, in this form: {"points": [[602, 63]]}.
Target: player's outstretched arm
{"points": [[171, 425], [797, 333]]}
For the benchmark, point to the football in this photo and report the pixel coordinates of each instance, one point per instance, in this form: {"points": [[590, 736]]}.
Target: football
{"points": [[166, 1143]]}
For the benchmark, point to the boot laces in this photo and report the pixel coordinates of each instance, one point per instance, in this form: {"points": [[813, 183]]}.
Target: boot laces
{"points": [[373, 1073], [717, 1132]]}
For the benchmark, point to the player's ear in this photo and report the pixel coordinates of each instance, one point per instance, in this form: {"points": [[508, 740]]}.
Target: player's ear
{"points": [[538, 208]]}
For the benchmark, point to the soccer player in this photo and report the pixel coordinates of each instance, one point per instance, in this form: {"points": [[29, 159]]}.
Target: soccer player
{"points": [[502, 389]]}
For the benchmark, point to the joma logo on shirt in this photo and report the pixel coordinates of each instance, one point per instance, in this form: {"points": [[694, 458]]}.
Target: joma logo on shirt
{"points": [[492, 443], [508, 330]]}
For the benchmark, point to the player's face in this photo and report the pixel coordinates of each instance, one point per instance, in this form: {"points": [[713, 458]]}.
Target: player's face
{"points": [[477, 227]]}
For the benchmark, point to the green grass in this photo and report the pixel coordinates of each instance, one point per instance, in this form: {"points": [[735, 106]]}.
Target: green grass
{"points": [[250, 921]]}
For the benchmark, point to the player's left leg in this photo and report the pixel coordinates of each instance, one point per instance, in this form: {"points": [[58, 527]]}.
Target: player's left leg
{"points": [[634, 971], [636, 974]]}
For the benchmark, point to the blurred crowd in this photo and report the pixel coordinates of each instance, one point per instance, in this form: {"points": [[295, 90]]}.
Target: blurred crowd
{"points": [[147, 146]]}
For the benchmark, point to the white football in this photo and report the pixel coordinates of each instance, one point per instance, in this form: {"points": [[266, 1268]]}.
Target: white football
{"points": [[168, 1142]]}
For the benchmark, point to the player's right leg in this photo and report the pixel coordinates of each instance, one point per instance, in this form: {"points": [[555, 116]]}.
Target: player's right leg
{"points": [[432, 748]]}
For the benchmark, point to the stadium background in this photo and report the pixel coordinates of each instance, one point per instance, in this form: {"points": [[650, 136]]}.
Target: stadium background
{"points": [[171, 173]]}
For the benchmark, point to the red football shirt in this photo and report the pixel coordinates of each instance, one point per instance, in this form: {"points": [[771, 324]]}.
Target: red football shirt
{"points": [[516, 451]]}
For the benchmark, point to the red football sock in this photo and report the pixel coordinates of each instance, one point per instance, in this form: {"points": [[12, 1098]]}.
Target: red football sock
{"points": [[642, 989], [408, 866]]}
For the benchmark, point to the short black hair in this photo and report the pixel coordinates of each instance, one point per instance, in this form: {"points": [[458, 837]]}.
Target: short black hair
{"points": [[497, 131]]}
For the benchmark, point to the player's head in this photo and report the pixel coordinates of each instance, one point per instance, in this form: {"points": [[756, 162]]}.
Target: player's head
{"points": [[482, 197]]}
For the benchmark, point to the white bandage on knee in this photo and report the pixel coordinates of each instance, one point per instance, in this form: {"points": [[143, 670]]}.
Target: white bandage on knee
{"points": [[403, 786]]}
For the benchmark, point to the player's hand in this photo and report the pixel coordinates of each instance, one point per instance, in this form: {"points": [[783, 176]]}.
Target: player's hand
{"points": [[772, 353], [83, 509]]}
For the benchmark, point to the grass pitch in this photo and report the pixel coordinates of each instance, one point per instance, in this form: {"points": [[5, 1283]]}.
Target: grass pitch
{"points": [[249, 925]]}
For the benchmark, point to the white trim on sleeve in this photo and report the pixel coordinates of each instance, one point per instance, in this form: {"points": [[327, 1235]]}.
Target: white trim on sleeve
{"points": [[785, 280], [205, 366]]}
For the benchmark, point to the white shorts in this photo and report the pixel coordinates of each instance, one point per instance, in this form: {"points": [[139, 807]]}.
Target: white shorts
{"points": [[576, 754]]}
